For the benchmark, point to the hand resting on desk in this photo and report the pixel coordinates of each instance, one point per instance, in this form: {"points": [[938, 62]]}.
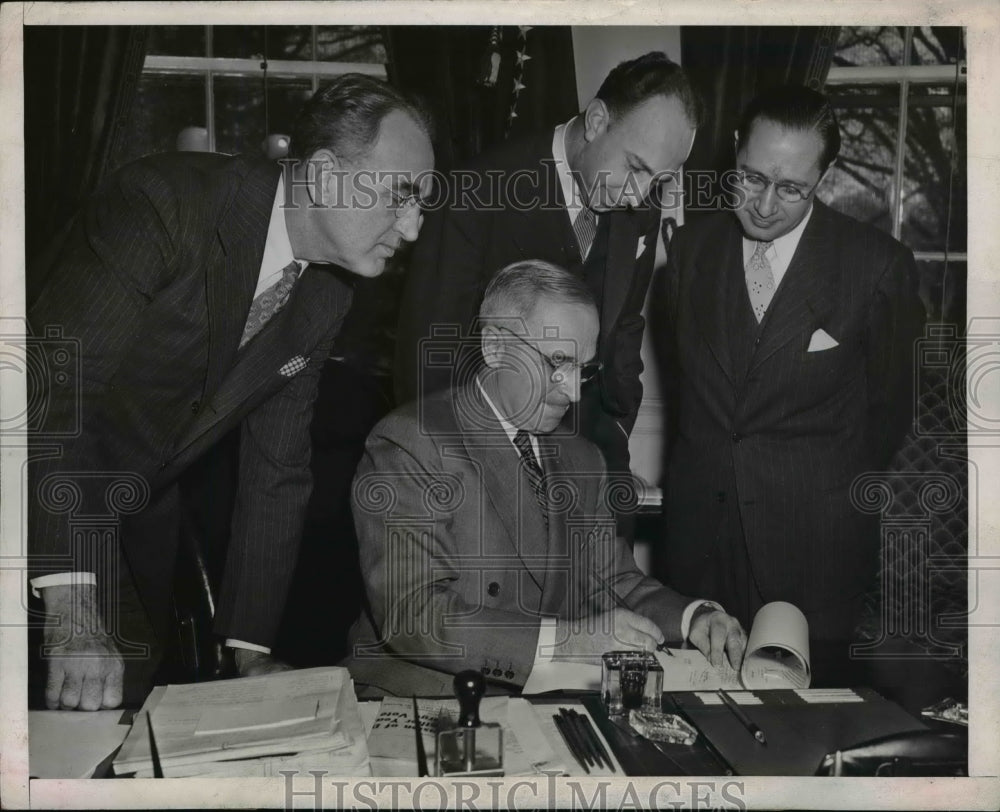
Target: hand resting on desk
{"points": [[252, 663], [85, 670], [716, 634]]}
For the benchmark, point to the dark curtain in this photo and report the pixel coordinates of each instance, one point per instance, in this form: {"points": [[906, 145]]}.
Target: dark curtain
{"points": [[730, 65], [536, 80], [79, 86]]}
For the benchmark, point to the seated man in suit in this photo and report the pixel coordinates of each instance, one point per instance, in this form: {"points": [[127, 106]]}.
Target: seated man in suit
{"points": [[203, 292], [485, 537], [577, 196], [791, 334]]}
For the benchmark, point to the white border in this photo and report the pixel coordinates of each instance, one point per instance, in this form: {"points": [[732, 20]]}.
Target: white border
{"points": [[982, 19]]}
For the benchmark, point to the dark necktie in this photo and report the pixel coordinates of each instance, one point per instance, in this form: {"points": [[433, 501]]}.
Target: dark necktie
{"points": [[760, 280], [533, 470], [585, 228], [270, 301]]}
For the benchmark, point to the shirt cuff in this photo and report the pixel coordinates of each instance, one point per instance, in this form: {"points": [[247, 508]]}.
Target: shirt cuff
{"points": [[62, 579], [546, 642], [688, 615], [233, 643]]}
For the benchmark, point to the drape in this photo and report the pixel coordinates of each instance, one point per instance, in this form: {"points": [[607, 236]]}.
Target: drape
{"points": [[79, 86]]}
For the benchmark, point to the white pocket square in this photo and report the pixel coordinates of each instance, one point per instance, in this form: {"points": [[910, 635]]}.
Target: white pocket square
{"points": [[640, 247], [822, 340], [293, 366]]}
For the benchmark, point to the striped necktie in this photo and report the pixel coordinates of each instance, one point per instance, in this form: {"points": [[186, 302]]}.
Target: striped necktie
{"points": [[533, 470], [270, 301], [760, 280], [585, 229]]}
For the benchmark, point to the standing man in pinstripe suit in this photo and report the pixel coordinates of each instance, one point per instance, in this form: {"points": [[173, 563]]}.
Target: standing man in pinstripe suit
{"points": [[203, 293], [791, 337]]}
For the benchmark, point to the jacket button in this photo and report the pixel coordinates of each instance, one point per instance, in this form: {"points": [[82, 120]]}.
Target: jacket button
{"points": [[721, 496], [195, 405], [493, 589], [737, 437]]}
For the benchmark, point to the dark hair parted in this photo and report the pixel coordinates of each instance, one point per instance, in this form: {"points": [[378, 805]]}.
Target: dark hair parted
{"points": [[345, 115], [794, 107], [633, 82]]}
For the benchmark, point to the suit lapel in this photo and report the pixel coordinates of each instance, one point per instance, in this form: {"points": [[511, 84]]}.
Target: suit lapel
{"points": [[242, 232], [807, 293], [619, 266], [709, 289], [547, 223], [318, 299], [492, 452]]}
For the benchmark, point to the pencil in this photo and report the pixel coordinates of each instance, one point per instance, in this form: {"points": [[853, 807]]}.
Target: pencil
{"points": [[744, 720], [570, 740], [590, 733]]}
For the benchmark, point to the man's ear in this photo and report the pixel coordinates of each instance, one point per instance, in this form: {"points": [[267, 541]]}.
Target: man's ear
{"points": [[596, 119], [492, 344], [326, 173]]}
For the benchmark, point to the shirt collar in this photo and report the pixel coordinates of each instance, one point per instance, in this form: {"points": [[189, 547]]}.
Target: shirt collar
{"points": [[571, 195], [278, 246]]}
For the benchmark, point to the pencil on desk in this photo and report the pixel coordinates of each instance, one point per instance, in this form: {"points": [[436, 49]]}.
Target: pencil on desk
{"points": [[588, 728], [570, 739], [744, 720]]}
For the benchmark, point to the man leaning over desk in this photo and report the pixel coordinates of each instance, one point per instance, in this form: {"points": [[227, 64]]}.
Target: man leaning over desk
{"points": [[485, 540]]}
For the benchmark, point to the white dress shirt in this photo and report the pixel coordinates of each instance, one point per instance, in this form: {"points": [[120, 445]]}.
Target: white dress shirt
{"points": [[571, 193], [781, 251]]}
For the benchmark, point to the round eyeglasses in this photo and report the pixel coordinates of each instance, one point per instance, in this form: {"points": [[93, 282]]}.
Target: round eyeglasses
{"points": [[757, 184], [562, 366]]}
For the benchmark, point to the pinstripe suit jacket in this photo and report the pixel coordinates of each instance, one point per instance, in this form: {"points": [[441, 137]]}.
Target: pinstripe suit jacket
{"points": [[787, 434], [152, 286], [457, 561]]}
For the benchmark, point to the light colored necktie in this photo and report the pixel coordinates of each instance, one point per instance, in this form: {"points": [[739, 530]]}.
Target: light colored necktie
{"points": [[585, 228], [534, 471], [760, 280], [270, 301]]}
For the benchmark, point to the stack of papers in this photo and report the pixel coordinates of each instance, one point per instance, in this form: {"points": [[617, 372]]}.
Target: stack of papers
{"points": [[254, 726]]}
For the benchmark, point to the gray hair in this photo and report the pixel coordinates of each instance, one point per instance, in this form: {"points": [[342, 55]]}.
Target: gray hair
{"points": [[514, 291]]}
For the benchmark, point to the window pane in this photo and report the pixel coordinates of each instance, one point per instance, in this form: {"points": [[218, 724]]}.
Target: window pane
{"points": [[869, 45], [248, 41], [240, 124], [943, 291], [350, 43], [176, 40], [935, 162], [860, 182], [936, 45], [164, 105]]}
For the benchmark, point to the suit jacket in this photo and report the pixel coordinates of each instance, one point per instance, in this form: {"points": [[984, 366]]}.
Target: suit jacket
{"points": [[457, 561], [152, 287], [510, 207], [786, 432]]}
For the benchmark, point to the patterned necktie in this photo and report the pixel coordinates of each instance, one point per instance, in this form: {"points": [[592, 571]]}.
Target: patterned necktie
{"points": [[760, 280], [585, 228], [534, 471], [270, 301]]}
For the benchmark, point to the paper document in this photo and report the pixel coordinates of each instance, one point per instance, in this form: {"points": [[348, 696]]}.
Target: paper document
{"points": [[70, 744]]}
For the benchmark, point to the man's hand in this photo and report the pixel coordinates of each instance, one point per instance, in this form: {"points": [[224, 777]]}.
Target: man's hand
{"points": [[252, 663], [85, 670], [714, 633], [608, 631]]}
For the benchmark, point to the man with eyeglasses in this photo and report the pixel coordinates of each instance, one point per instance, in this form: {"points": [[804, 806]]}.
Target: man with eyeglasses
{"points": [[486, 540], [577, 195], [202, 293], [791, 337]]}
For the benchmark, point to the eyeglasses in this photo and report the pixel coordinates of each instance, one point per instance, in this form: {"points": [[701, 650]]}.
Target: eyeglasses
{"points": [[401, 204], [785, 191], [561, 365]]}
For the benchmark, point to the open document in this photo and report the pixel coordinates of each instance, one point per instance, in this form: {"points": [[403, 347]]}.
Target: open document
{"points": [[777, 656]]}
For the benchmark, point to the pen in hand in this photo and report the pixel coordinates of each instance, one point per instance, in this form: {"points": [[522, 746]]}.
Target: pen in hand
{"points": [[752, 728]]}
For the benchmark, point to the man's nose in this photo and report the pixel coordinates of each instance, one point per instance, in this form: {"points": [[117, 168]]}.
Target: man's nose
{"points": [[767, 201], [408, 224], [568, 382]]}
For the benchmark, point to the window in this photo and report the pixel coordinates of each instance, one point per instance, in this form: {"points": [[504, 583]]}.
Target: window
{"points": [[224, 88], [900, 95]]}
